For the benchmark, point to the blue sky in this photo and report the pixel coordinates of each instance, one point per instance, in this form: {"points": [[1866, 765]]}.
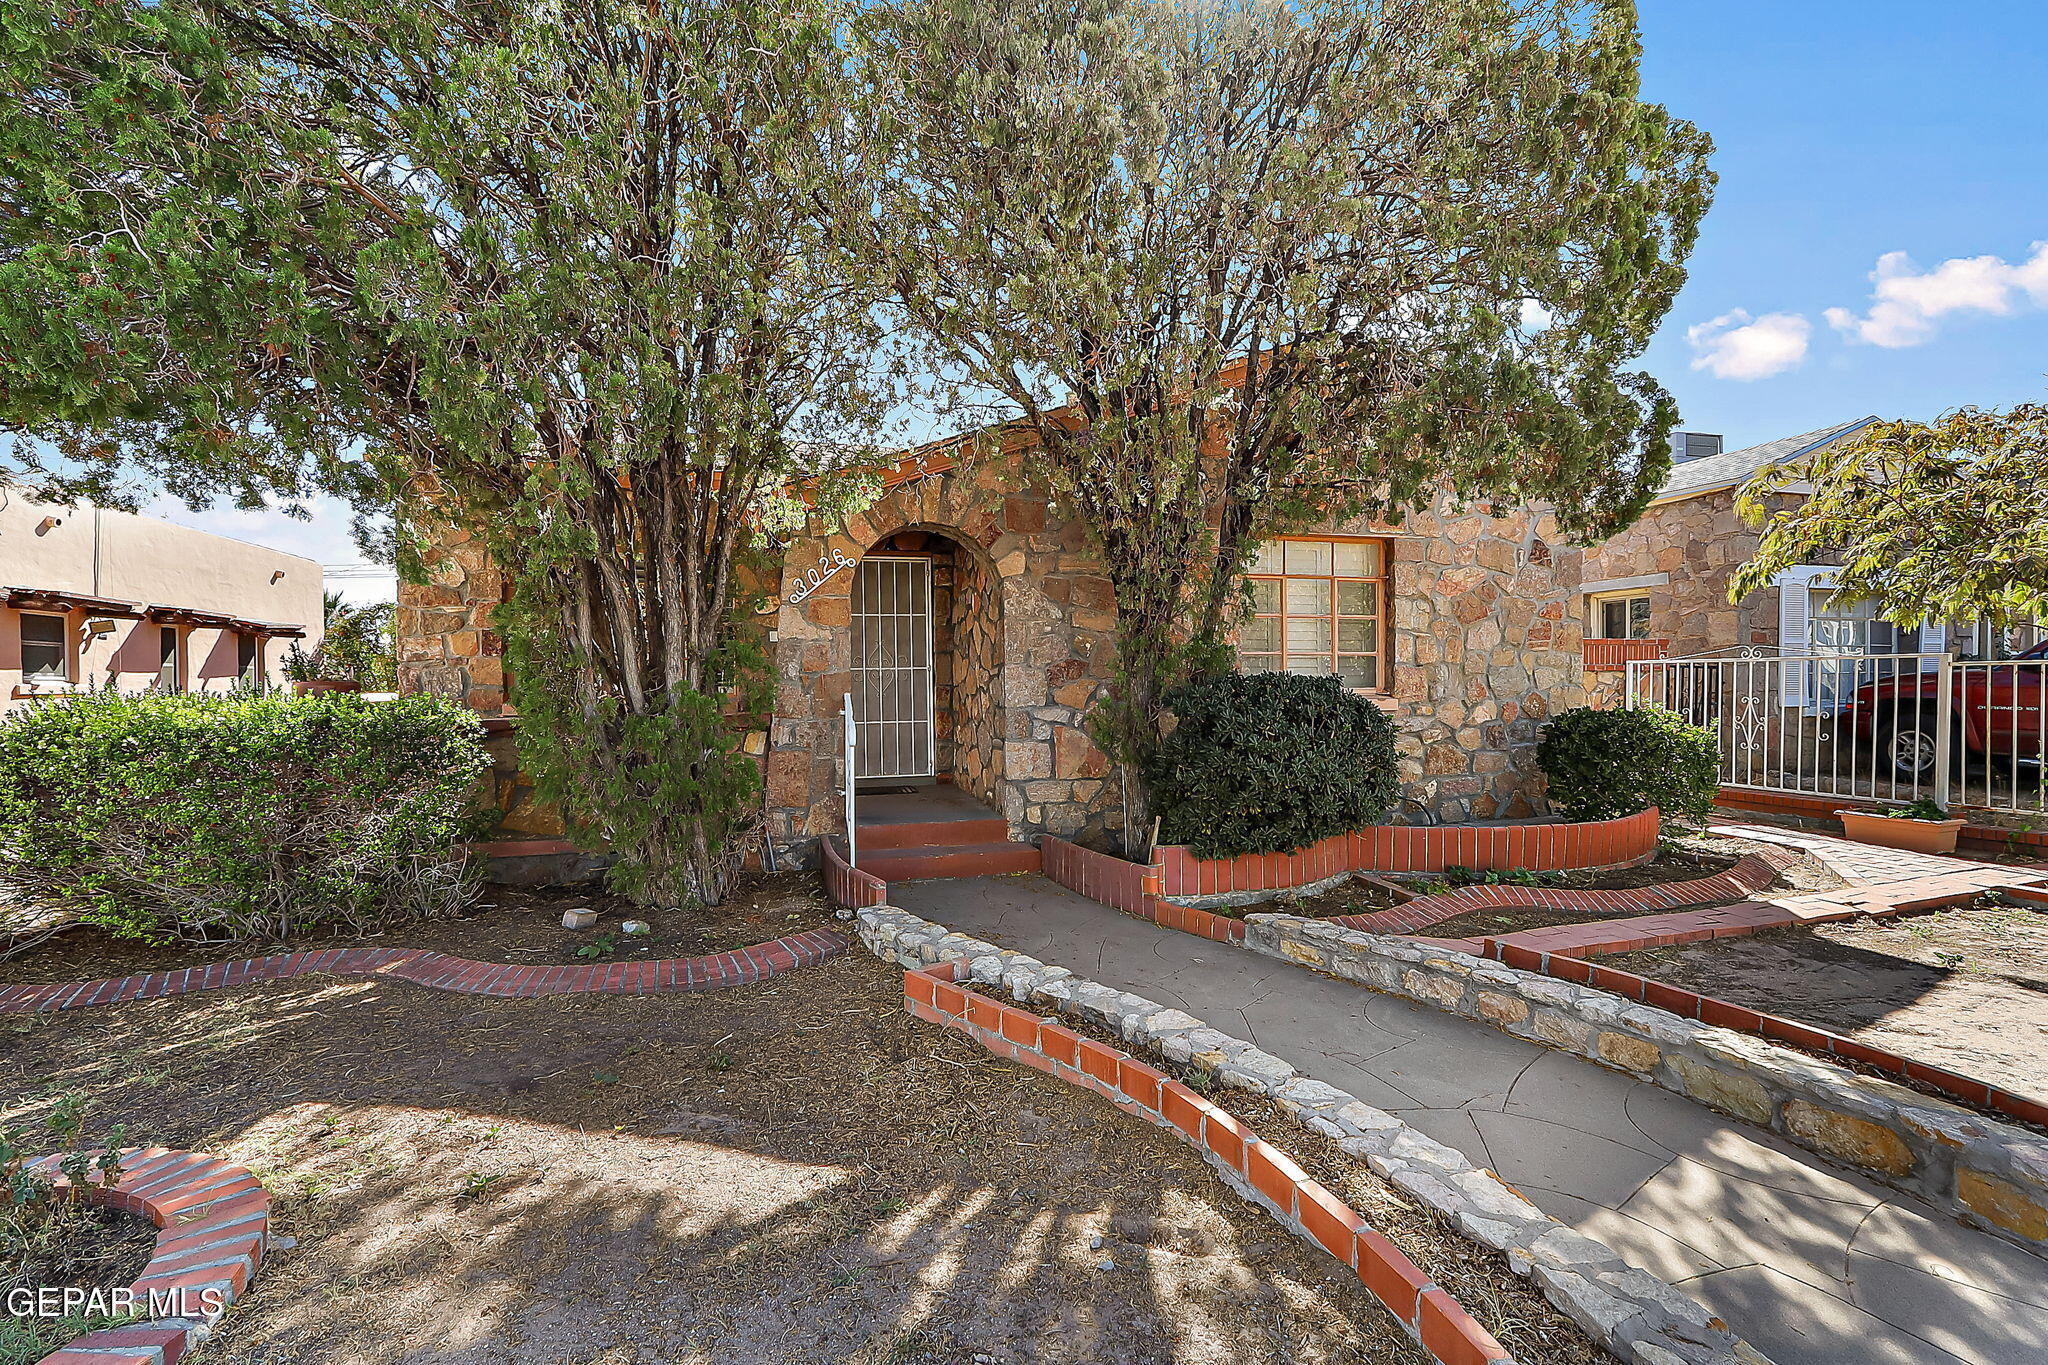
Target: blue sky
{"points": [[1846, 133]]}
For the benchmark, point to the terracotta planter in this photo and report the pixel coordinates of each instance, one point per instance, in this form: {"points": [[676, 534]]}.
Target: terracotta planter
{"points": [[1914, 836], [314, 686]]}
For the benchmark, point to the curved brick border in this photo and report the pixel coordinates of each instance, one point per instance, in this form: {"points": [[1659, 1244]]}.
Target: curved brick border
{"points": [[1254, 1167], [213, 1221], [1752, 873], [1989, 1174], [441, 972], [847, 885], [1552, 847], [1632, 1313]]}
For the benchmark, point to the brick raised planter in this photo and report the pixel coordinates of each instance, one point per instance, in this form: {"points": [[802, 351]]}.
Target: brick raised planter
{"points": [[1130, 887], [213, 1221], [441, 972], [1258, 1170], [1989, 1174], [1554, 847]]}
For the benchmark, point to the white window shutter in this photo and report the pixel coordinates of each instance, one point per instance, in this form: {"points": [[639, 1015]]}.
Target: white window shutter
{"points": [[1795, 631]]}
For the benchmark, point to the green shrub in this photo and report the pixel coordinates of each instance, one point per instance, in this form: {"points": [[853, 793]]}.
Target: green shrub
{"points": [[1606, 764], [211, 818], [1269, 763]]}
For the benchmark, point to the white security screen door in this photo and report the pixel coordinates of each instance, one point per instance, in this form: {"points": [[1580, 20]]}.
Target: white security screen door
{"points": [[892, 667]]}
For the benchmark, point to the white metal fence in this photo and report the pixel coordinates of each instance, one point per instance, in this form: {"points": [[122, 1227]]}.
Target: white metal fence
{"points": [[1883, 727]]}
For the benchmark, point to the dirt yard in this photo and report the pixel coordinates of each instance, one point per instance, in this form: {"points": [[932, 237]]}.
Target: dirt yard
{"points": [[507, 924], [1965, 989], [790, 1172]]}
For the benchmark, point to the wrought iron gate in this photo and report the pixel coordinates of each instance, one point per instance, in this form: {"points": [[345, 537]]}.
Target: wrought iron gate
{"points": [[1872, 727], [893, 701]]}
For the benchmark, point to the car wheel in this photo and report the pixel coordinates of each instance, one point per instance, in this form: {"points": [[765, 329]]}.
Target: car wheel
{"points": [[1912, 748]]}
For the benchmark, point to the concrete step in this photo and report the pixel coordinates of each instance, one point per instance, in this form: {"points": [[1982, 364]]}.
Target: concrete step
{"points": [[988, 859], [934, 833]]}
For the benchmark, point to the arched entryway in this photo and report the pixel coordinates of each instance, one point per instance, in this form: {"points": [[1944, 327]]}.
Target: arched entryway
{"points": [[927, 665]]}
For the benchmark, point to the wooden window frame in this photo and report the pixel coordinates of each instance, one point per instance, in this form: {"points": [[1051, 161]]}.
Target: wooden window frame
{"points": [[178, 639], [67, 656], [1600, 601], [1382, 603], [252, 676]]}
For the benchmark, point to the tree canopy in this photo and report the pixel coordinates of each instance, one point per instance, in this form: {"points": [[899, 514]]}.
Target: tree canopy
{"points": [[1931, 521], [560, 276], [1253, 263]]}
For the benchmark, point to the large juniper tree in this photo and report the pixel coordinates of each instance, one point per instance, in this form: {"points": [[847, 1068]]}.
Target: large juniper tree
{"points": [[1249, 263], [559, 273]]}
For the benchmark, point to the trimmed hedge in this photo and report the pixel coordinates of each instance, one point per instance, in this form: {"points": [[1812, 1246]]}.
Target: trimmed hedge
{"points": [[214, 818], [1607, 764], [1270, 763]]}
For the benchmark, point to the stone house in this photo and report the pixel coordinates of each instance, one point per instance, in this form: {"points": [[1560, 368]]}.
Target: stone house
{"points": [[965, 615]]}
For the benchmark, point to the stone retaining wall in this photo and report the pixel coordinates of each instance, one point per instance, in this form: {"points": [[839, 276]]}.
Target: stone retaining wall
{"points": [[1991, 1175], [1635, 1315]]}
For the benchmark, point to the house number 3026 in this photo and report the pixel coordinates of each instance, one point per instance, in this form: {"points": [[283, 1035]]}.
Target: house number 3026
{"points": [[812, 579]]}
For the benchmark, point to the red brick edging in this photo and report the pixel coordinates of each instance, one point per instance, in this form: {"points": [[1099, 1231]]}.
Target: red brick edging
{"points": [[1750, 874], [213, 1221], [439, 971], [1722, 1014], [1550, 847], [849, 886], [1130, 887], [1446, 1331]]}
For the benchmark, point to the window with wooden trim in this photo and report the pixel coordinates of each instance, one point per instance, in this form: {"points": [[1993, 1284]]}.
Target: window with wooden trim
{"points": [[45, 648], [1320, 609], [1622, 616], [249, 660]]}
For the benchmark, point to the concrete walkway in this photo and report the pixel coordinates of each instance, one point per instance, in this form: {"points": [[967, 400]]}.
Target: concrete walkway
{"points": [[1813, 1264]]}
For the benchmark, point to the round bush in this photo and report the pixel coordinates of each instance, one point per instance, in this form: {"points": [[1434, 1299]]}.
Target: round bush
{"points": [[1606, 764], [1269, 763], [209, 818]]}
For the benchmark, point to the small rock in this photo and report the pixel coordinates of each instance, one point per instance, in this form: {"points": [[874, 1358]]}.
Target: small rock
{"points": [[577, 917], [635, 926], [1106, 1265], [1095, 1244]]}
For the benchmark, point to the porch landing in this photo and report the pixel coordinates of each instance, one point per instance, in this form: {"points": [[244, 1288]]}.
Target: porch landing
{"points": [[935, 831]]}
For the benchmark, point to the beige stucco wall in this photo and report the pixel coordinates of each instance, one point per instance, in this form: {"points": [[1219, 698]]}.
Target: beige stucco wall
{"points": [[53, 548]]}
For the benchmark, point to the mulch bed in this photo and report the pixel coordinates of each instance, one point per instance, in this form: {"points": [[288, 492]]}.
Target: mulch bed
{"points": [[1959, 988], [794, 1171], [508, 924]]}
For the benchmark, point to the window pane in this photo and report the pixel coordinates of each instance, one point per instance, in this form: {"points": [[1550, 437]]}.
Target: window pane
{"points": [[1358, 599], [1358, 637], [1259, 663], [1307, 635], [1261, 635], [1359, 671], [1613, 621], [1639, 618], [1269, 558], [44, 657], [1357, 558], [1311, 666], [1266, 595], [1308, 556], [1308, 597]]}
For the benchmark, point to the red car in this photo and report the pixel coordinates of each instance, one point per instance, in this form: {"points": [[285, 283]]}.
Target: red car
{"points": [[1999, 713]]}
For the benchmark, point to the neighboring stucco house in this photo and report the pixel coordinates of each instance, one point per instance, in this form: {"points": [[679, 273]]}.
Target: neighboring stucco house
{"points": [[99, 598], [967, 615]]}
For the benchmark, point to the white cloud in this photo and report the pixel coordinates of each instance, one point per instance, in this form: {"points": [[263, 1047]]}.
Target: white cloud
{"points": [[1907, 301], [1737, 346]]}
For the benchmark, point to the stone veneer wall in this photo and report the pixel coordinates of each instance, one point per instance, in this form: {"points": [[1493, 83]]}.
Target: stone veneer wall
{"points": [[1485, 629], [1699, 542]]}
